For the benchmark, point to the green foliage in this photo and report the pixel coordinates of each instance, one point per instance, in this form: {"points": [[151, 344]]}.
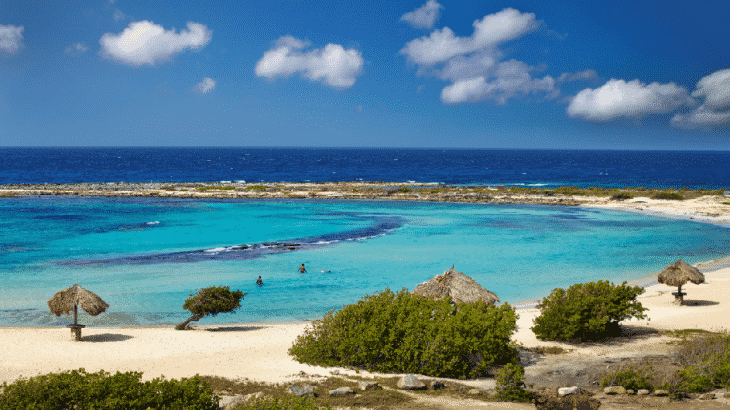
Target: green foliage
{"points": [[210, 302], [256, 188], [290, 402], [123, 391], [668, 195], [630, 378], [621, 196], [216, 188], [404, 189], [587, 311], [406, 333], [511, 384], [709, 363]]}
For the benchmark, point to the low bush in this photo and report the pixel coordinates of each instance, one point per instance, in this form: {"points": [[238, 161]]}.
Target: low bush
{"points": [[123, 391], [675, 196], [406, 333], [511, 384], [256, 188], [707, 360], [587, 311], [630, 378], [621, 196]]}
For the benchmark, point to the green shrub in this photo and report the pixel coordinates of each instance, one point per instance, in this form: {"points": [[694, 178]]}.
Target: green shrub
{"points": [[511, 384], [404, 189], [587, 311], [709, 363], [210, 302], [406, 333], [630, 378], [123, 391], [668, 195], [256, 188], [621, 196]]}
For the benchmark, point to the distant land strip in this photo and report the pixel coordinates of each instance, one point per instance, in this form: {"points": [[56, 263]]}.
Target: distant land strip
{"points": [[405, 191]]}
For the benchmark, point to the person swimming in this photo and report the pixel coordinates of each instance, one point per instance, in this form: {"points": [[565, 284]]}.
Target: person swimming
{"points": [[259, 281], [302, 269]]}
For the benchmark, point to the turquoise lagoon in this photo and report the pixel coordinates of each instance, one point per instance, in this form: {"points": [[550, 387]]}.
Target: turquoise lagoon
{"points": [[144, 256]]}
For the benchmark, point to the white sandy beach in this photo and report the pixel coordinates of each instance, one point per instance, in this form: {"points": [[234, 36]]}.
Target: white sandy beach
{"points": [[259, 351]]}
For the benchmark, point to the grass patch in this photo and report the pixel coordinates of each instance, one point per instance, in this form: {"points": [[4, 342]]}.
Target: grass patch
{"points": [[673, 196], [685, 333], [256, 188], [373, 399], [216, 188], [546, 350]]}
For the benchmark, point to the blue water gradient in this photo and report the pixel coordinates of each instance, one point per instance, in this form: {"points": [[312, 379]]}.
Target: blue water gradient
{"points": [[123, 249], [548, 168]]}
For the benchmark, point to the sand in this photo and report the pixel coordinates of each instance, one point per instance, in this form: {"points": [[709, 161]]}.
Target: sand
{"points": [[259, 351]]}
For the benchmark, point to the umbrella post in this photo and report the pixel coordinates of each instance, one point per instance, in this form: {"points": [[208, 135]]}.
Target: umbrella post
{"points": [[679, 296], [76, 314]]}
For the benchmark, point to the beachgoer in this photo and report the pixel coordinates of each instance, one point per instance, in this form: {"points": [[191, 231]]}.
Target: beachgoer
{"points": [[259, 281], [302, 269]]}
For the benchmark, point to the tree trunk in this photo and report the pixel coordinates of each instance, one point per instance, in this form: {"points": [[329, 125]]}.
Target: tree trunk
{"points": [[184, 325]]}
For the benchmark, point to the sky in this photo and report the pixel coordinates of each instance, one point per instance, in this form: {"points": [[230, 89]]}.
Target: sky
{"points": [[563, 74]]}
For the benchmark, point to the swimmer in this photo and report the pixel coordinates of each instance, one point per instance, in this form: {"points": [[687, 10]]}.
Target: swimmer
{"points": [[259, 281], [325, 271], [302, 269]]}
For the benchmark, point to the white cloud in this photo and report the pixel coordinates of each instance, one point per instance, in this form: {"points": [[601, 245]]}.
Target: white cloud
{"points": [[333, 64], [205, 86], [715, 110], [144, 42], [424, 16], [618, 98], [11, 38], [510, 79], [490, 31], [76, 49], [578, 76]]}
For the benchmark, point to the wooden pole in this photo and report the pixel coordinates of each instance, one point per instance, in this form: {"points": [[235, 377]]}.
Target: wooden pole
{"points": [[76, 314]]}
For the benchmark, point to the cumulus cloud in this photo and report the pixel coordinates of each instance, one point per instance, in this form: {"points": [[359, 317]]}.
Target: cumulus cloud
{"points": [[424, 16], [578, 76], [11, 38], [333, 65], [510, 78], [144, 42], [205, 86], [618, 98], [76, 49], [714, 89], [493, 29]]}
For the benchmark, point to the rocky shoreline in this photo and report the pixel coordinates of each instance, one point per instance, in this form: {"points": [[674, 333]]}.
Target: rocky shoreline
{"points": [[704, 206]]}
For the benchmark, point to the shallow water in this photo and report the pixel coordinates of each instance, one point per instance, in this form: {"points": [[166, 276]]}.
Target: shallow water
{"points": [[144, 256]]}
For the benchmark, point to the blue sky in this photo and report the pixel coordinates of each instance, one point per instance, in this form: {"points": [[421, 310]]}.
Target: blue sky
{"points": [[436, 73]]}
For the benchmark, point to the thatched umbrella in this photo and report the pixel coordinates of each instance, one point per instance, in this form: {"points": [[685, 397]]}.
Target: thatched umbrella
{"points": [[460, 287], [73, 297], [679, 273]]}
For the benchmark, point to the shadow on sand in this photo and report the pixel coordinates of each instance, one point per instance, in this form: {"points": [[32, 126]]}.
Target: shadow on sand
{"points": [[235, 328], [691, 302], [106, 337]]}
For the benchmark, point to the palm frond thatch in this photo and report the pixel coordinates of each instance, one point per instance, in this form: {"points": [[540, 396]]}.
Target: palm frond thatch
{"points": [[460, 287], [679, 273], [64, 301]]}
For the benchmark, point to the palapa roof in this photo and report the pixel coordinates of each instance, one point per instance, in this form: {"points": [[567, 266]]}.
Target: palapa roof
{"points": [[679, 273], [64, 301], [460, 287]]}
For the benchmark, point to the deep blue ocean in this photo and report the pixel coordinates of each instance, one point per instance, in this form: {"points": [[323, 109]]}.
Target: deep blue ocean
{"points": [[144, 256], [449, 166]]}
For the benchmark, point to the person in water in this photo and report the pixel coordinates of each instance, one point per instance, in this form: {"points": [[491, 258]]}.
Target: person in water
{"points": [[302, 269], [259, 281]]}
